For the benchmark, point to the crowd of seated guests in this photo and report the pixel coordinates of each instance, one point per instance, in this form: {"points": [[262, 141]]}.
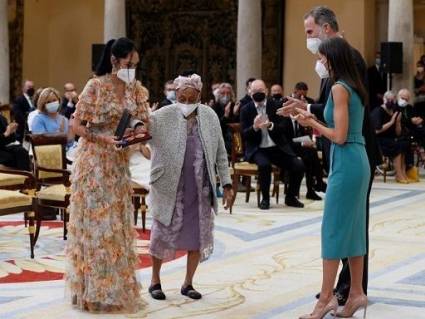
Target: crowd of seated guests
{"points": [[399, 126]]}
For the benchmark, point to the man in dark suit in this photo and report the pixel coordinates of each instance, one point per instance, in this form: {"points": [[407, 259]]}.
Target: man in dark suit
{"points": [[320, 23], [12, 155], [301, 92], [69, 100], [169, 95], [308, 153], [377, 83], [247, 98], [22, 106], [265, 144]]}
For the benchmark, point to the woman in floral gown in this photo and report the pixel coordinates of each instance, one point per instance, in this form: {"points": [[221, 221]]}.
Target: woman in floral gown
{"points": [[101, 252]]}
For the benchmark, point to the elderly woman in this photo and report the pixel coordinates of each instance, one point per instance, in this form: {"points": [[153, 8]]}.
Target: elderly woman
{"points": [[387, 122], [187, 150]]}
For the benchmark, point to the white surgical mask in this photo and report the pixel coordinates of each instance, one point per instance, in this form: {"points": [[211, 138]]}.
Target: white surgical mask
{"points": [[313, 44], [187, 109], [171, 95], [52, 107], [127, 75], [321, 70], [402, 102], [224, 99]]}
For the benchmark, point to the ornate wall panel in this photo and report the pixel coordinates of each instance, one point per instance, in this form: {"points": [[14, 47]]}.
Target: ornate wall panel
{"points": [[198, 35], [16, 33]]}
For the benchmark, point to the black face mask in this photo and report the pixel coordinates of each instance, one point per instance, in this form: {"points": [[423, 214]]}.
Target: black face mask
{"points": [[30, 92], [277, 96], [390, 105], [259, 96]]}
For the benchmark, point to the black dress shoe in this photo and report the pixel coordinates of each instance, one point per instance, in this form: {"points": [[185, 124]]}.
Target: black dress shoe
{"points": [[190, 292], [312, 195], [293, 202], [156, 292], [265, 204], [321, 187]]}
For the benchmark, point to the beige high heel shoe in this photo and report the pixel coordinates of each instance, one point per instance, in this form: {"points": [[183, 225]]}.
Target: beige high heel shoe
{"points": [[351, 307], [332, 306]]}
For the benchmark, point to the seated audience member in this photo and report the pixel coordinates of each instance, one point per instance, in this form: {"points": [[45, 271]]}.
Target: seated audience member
{"points": [[12, 154], [214, 94], [227, 111], [32, 114], [169, 95], [69, 100], [301, 92], [387, 123], [308, 153], [413, 129], [247, 98], [22, 106], [276, 92], [49, 120], [266, 144]]}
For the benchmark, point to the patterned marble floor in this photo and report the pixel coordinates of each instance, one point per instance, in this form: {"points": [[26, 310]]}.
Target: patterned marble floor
{"points": [[267, 265]]}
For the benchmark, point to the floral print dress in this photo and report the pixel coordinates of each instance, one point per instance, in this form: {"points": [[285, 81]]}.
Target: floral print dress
{"points": [[101, 256]]}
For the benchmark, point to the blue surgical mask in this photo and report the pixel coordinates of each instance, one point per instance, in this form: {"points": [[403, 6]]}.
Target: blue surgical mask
{"points": [[52, 107]]}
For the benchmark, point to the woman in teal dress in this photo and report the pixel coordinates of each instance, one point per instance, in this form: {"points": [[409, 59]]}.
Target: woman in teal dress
{"points": [[343, 225]]}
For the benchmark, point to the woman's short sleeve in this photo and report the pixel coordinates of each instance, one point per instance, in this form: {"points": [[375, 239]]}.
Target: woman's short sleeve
{"points": [[142, 97], [88, 102]]}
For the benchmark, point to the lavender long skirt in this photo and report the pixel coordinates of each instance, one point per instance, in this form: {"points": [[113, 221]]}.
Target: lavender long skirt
{"points": [[191, 227]]}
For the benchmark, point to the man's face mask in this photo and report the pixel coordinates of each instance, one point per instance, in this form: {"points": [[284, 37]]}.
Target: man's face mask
{"points": [[259, 97]]}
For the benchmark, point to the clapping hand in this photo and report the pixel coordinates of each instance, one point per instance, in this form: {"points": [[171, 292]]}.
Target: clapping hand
{"points": [[261, 122], [227, 109], [11, 128], [304, 117], [288, 108]]}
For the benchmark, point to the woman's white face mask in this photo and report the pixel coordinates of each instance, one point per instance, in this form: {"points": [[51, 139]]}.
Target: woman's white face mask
{"points": [[321, 69], [52, 107], [187, 109], [127, 75]]}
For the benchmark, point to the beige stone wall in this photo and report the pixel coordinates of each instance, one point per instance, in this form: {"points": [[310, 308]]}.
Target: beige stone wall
{"points": [[57, 40], [356, 21]]}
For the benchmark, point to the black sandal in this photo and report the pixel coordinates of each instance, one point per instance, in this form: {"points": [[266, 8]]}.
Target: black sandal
{"points": [[190, 292], [156, 292]]}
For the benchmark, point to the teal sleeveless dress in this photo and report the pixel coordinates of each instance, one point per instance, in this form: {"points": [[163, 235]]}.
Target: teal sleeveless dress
{"points": [[344, 217]]}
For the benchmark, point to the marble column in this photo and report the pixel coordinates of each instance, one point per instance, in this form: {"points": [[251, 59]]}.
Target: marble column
{"points": [[114, 19], [400, 29], [248, 43], [4, 53]]}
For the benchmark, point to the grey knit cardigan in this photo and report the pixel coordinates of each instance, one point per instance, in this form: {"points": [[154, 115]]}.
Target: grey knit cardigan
{"points": [[168, 128]]}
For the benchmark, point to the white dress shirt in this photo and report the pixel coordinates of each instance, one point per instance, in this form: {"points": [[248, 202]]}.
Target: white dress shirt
{"points": [[29, 101], [266, 140]]}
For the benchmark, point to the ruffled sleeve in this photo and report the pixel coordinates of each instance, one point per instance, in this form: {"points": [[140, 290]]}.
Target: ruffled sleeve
{"points": [[142, 104], [88, 103]]}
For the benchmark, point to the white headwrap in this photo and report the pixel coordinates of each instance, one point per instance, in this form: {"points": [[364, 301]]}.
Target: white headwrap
{"points": [[193, 81]]}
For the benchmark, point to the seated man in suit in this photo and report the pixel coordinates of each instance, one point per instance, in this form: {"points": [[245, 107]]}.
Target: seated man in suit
{"points": [[22, 106], [307, 151], [262, 132]]}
